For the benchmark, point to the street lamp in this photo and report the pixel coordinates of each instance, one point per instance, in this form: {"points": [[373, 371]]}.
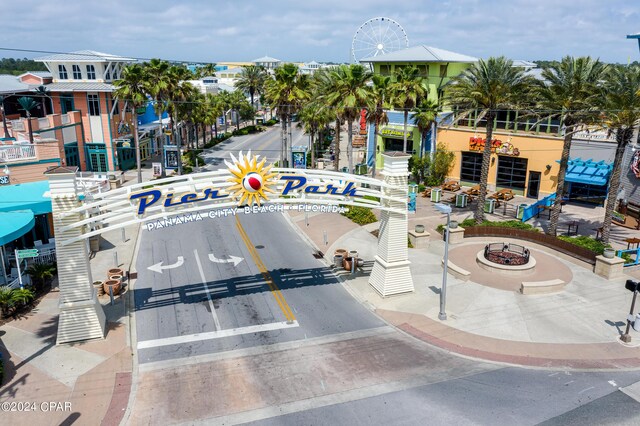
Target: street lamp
{"points": [[443, 208]]}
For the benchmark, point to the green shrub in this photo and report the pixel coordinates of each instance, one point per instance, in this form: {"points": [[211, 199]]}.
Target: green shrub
{"points": [[586, 242], [21, 296], [470, 222], [360, 215], [6, 301], [409, 245], [271, 122]]}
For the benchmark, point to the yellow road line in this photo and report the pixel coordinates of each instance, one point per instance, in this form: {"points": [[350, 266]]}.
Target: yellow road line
{"points": [[277, 294]]}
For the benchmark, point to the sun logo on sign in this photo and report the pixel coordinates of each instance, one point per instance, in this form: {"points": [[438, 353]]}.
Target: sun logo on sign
{"points": [[251, 179]]}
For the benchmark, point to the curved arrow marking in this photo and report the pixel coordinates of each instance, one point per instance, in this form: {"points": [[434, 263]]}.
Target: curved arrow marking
{"points": [[158, 266], [232, 259]]}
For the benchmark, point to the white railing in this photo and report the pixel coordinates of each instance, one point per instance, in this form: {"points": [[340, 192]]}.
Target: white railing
{"points": [[597, 135], [13, 284], [17, 152], [93, 185], [46, 257]]}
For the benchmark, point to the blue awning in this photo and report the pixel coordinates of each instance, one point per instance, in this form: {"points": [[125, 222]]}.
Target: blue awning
{"points": [[25, 196], [588, 172], [15, 224]]}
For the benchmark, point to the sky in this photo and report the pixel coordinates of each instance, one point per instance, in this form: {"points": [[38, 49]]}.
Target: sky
{"points": [[305, 30]]}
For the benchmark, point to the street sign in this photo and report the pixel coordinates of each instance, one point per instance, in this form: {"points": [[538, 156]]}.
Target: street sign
{"points": [[28, 253]]}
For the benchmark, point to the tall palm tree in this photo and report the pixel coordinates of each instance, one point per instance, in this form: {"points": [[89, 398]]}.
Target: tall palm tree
{"points": [[424, 116], [487, 86], [286, 91], [407, 91], [350, 92], [377, 112], [314, 116], [620, 99], [212, 109], [4, 117], [157, 86], [43, 92], [207, 70], [237, 102], [27, 105], [569, 91], [131, 88], [252, 79], [179, 91]]}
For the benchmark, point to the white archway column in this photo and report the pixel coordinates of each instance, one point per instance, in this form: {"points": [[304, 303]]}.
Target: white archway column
{"points": [[391, 274], [81, 315]]}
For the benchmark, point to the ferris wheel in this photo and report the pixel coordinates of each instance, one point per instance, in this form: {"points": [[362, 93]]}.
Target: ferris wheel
{"points": [[376, 37]]}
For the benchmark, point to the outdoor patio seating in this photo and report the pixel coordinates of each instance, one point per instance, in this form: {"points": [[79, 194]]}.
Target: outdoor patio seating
{"points": [[452, 186]]}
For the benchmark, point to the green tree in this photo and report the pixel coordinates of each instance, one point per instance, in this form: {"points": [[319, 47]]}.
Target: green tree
{"points": [[314, 116], [157, 86], [28, 104], [131, 88], [350, 93], [206, 70], [487, 86], [377, 111], [424, 115], [179, 90], [407, 92], [286, 92], [252, 80], [6, 302], [40, 273], [440, 165], [569, 92], [620, 99]]}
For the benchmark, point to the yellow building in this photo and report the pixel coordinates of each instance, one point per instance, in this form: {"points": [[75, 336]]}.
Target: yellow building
{"points": [[525, 163]]}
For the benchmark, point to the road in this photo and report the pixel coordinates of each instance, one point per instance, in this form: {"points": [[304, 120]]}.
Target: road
{"points": [[244, 324]]}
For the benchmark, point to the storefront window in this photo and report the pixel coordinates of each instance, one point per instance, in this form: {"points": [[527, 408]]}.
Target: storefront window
{"points": [[397, 145], [589, 194], [512, 172], [471, 167]]}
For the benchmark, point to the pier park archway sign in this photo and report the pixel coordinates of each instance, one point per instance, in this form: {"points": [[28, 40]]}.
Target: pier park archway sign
{"points": [[246, 186]]}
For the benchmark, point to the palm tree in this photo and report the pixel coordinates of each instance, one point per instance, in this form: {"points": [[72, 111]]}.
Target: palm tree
{"points": [[252, 81], [179, 91], [488, 86], [407, 91], [41, 272], [314, 116], [212, 109], [132, 89], [207, 70], [286, 91], [425, 117], [377, 112], [157, 86], [620, 98], [27, 105], [350, 92], [237, 102], [4, 117], [43, 92], [569, 92]]}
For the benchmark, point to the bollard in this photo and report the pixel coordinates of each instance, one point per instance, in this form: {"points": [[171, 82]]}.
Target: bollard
{"points": [[124, 236], [111, 294], [325, 238], [115, 259]]}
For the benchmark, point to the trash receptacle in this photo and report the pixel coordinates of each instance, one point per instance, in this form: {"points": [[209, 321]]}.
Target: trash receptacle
{"points": [[345, 170], [436, 193], [94, 243], [361, 169], [461, 200], [489, 205], [520, 211]]}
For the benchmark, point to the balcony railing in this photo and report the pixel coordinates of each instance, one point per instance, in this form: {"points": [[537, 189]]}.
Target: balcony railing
{"points": [[17, 152]]}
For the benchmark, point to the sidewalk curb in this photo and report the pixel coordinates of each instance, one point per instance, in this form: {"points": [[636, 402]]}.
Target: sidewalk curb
{"points": [[131, 332]]}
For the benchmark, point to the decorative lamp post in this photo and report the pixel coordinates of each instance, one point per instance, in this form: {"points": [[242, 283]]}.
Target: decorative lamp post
{"points": [[443, 208]]}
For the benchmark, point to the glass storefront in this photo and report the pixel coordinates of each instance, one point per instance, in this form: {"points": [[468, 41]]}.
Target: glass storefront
{"points": [[512, 172], [471, 167]]}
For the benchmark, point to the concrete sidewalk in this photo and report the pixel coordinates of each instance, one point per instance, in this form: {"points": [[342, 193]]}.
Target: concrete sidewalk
{"points": [[575, 328], [89, 382]]}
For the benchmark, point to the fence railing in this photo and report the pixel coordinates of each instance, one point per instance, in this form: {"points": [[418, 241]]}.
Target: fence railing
{"points": [[565, 247], [634, 261]]}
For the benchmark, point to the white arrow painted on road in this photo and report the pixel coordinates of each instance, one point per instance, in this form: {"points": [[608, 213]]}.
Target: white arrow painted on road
{"points": [[232, 259], [158, 266]]}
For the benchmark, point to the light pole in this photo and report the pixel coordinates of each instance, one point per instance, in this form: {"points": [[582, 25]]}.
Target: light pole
{"points": [[443, 208]]}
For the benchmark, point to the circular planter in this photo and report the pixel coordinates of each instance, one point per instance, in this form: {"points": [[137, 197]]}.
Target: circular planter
{"points": [[347, 263], [337, 260], [341, 252], [353, 254], [116, 278], [419, 229], [453, 224], [359, 262], [99, 286], [115, 284], [115, 271], [609, 253]]}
